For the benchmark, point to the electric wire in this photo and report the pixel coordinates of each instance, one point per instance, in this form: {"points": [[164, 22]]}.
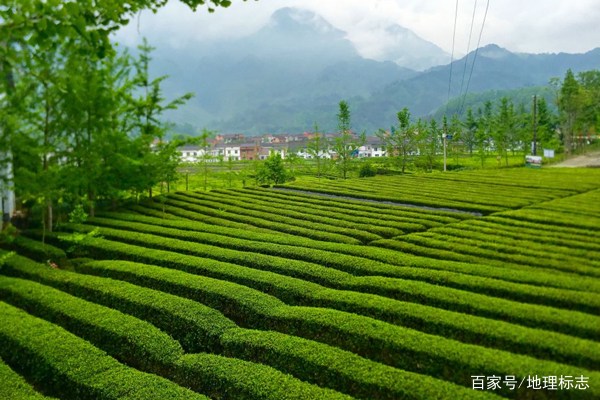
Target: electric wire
{"points": [[462, 83], [452, 55], [487, 6]]}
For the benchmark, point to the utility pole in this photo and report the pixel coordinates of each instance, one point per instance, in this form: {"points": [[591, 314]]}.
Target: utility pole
{"points": [[444, 137], [534, 144]]}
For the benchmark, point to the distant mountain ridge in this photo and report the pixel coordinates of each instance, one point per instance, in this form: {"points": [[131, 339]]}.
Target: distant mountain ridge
{"points": [[495, 69], [293, 72]]}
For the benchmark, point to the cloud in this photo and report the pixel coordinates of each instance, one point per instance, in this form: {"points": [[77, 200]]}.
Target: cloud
{"points": [[526, 26]]}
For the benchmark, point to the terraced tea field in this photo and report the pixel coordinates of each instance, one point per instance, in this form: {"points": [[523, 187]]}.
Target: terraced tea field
{"points": [[320, 289]]}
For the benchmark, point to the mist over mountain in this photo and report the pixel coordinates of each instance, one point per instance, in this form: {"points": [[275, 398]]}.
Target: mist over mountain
{"points": [[293, 72], [495, 69], [405, 48]]}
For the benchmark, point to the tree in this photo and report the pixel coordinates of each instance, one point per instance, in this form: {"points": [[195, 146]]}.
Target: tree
{"points": [[145, 113], [546, 126], [470, 132], [400, 141], [483, 136], [430, 143], [316, 147], [504, 128], [455, 144], [569, 105], [589, 82], [272, 171], [345, 145], [61, 110], [206, 155], [41, 129]]}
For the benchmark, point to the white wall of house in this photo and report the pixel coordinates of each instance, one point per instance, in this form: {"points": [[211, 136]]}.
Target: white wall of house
{"points": [[369, 150]]}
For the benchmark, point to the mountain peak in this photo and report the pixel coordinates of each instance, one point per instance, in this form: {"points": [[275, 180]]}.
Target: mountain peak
{"points": [[297, 20], [494, 51]]}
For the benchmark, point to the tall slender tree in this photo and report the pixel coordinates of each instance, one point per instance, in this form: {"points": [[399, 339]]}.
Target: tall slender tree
{"points": [[569, 105], [345, 145], [316, 147]]}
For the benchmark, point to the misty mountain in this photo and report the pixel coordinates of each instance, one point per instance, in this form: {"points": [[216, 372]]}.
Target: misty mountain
{"points": [[293, 72], [405, 48], [296, 62], [495, 69]]}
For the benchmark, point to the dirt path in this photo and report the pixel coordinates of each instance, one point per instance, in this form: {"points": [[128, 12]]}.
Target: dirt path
{"points": [[586, 160]]}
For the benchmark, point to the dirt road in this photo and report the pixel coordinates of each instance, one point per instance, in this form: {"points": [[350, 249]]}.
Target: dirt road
{"points": [[586, 160]]}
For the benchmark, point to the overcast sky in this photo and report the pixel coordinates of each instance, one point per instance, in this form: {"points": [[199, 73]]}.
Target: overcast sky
{"points": [[533, 26]]}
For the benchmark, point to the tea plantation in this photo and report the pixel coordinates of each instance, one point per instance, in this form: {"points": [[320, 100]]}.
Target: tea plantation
{"points": [[461, 285]]}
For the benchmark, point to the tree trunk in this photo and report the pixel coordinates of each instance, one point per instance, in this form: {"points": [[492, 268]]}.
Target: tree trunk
{"points": [[91, 199], [49, 220]]}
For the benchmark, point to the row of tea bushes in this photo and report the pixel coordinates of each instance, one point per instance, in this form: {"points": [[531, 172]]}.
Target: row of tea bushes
{"points": [[396, 346], [341, 370], [485, 279], [299, 291], [67, 366]]}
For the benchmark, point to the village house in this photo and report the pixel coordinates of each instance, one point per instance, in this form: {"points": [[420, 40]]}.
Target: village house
{"points": [[230, 138], [190, 153], [373, 147], [249, 151]]}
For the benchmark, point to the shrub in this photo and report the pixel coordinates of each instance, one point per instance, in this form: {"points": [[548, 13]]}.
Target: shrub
{"points": [[367, 170], [126, 338], [46, 354], [15, 386]]}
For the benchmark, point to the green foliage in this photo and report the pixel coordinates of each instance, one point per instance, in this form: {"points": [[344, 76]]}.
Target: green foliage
{"points": [[317, 147], [15, 386], [8, 234], [42, 252], [126, 338], [345, 144], [78, 215], [195, 326], [343, 330], [44, 352], [5, 256], [78, 241], [367, 170], [272, 171], [292, 222], [216, 375]]}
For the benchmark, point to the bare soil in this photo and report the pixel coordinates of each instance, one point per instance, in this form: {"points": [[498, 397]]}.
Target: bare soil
{"points": [[586, 160]]}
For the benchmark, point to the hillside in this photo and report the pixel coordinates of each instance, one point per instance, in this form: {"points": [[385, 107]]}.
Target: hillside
{"points": [[294, 71]]}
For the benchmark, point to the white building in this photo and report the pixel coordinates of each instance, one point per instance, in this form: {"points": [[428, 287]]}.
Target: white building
{"points": [[190, 153], [373, 147]]}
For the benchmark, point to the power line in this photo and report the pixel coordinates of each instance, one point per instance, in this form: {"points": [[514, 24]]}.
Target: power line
{"points": [[487, 6], [452, 55], [462, 83]]}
